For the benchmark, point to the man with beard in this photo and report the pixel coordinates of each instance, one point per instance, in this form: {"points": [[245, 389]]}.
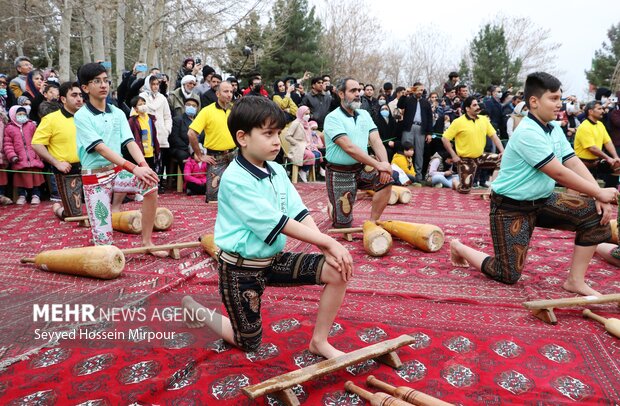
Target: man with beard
{"points": [[348, 132]]}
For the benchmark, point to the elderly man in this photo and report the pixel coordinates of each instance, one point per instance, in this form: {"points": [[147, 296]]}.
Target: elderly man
{"points": [[590, 139], [221, 148], [186, 91], [470, 132], [23, 66], [348, 132]]}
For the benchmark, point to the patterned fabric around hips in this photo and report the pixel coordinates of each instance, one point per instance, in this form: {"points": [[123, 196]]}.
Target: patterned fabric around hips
{"points": [[513, 222], [342, 183], [241, 289], [467, 168], [214, 173], [70, 190], [98, 191]]}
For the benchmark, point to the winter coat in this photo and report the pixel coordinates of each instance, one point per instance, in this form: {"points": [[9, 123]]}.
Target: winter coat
{"points": [[18, 142], [178, 137], [195, 172], [177, 100], [158, 106], [134, 124], [3, 161]]}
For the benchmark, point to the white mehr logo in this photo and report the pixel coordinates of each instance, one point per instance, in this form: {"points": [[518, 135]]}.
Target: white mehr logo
{"points": [[63, 312]]}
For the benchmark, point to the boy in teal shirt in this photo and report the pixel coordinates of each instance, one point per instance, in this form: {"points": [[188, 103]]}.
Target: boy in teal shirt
{"points": [[257, 208], [537, 156]]}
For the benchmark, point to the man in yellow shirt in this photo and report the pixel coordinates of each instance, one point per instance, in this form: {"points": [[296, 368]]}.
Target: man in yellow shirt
{"points": [[221, 149], [55, 142], [589, 141], [470, 132]]}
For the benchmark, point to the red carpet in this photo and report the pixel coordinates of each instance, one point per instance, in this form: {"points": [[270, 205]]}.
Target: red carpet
{"points": [[475, 343]]}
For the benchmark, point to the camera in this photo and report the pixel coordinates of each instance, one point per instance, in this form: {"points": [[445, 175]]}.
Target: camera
{"points": [[613, 99], [198, 61]]}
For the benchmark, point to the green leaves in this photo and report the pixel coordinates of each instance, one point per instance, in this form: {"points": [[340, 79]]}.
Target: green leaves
{"points": [[605, 60], [101, 213]]}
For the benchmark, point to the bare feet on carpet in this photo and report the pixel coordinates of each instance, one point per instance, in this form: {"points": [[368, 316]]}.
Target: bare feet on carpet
{"points": [[158, 254], [580, 288], [324, 349], [193, 308], [58, 210], [455, 256]]}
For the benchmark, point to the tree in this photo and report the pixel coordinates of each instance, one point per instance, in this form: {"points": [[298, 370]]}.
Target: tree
{"points": [[605, 59], [427, 58], [491, 62], [249, 34], [293, 41]]}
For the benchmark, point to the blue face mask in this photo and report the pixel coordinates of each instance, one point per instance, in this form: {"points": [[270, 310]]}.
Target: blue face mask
{"points": [[21, 119], [190, 111], [385, 113], [3, 92]]}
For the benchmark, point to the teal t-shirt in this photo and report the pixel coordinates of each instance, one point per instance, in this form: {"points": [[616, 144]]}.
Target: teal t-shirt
{"points": [[253, 208], [531, 147], [339, 123], [93, 127]]}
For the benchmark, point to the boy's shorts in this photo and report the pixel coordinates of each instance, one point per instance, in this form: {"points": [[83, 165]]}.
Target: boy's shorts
{"points": [[99, 187], [242, 282]]}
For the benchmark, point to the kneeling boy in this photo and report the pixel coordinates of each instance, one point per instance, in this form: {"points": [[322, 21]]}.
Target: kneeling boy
{"points": [[257, 207]]}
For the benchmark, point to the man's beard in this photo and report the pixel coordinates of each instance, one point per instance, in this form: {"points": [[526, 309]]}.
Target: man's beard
{"points": [[353, 105]]}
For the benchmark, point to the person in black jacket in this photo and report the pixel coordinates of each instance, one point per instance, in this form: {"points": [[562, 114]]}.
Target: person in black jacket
{"points": [[417, 124], [386, 125], [180, 149]]}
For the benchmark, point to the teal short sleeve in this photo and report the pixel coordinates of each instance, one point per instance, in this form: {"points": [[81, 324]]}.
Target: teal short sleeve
{"points": [[126, 134], [295, 206], [533, 150], [333, 128], [567, 151], [87, 135], [252, 209]]}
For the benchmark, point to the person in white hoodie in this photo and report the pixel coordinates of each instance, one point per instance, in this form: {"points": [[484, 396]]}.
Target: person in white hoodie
{"points": [[157, 105]]}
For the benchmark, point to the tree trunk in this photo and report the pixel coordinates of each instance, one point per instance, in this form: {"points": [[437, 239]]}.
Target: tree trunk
{"points": [[152, 54], [19, 43], [120, 40], [86, 39], [107, 39], [97, 22], [64, 41]]}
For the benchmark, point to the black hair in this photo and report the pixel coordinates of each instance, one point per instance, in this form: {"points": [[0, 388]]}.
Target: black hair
{"points": [[406, 146], [399, 89], [134, 101], [315, 79], [369, 85], [453, 75], [459, 87], [217, 76], [468, 101], [538, 83], [65, 87], [591, 106], [327, 75], [417, 84], [254, 112], [388, 86], [152, 79], [49, 85], [89, 71]]}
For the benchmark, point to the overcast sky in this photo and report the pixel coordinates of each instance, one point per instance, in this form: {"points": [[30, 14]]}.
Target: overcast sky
{"points": [[579, 26]]}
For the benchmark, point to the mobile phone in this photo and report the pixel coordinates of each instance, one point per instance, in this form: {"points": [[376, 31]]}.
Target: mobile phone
{"points": [[613, 99], [198, 61], [141, 67], [107, 64]]}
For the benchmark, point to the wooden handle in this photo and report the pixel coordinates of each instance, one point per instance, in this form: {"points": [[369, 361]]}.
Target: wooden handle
{"points": [[27, 261], [375, 399], [594, 316], [345, 230], [572, 301], [77, 218], [372, 381], [166, 247]]}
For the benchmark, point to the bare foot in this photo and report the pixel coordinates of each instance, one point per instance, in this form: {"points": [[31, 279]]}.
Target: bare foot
{"points": [[58, 210], [193, 312], [580, 288], [158, 254], [455, 256], [324, 349]]}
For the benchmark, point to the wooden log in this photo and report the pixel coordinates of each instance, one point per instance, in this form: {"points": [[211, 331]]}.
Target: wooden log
{"points": [[163, 219], [543, 309], [393, 196], [426, 237], [282, 382], [130, 221], [207, 241], [404, 194], [612, 325], [103, 262], [375, 399], [377, 241], [407, 394]]}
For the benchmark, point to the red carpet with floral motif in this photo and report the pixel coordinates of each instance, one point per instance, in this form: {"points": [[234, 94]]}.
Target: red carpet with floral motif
{"points": [[474, 342]]}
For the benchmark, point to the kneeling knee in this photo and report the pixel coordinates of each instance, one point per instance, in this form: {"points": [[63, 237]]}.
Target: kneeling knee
{"points": [[250, 345]]}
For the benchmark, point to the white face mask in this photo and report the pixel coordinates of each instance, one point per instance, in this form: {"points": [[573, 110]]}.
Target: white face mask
{"points": [[142, 108], [21, 119], [306, 117]]}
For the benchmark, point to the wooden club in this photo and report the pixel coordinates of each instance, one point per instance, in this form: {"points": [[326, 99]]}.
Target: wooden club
{"points": [[612, 325], [375, 399], [407, 394]]}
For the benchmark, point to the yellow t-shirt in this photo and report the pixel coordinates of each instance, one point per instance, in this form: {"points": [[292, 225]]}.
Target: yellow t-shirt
{"points": [[471, 135], [146, 134], [213, 120], [590, 135], [57, 133], [405, 163]]}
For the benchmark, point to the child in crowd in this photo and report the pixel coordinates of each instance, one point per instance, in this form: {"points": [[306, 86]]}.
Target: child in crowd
{"points": [[257, 208], [195, 175], [4, 177], [144, 131], [403, 160], [441, 173], [18, 150], [304, 151]]}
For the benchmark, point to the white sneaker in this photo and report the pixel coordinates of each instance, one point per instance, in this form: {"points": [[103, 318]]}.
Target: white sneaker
{"points": [[21, 200], [322, 172], [303, 175], [35, 200], [138, 197], [487, 184]]}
